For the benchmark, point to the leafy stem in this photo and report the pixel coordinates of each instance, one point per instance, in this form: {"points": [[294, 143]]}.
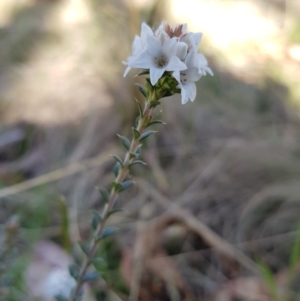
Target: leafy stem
{"points": [[118, 185]]}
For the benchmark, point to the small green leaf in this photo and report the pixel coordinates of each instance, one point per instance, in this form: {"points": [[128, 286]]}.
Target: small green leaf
{"points": [[137, 162], [107, 232], [136, 134], [98, 262], [154, 103], [117, 169], [125, 142], [105, 195], [96, 219], [146, 134], [133, 155], [118, 159], [74, 271], [138, 149], [142, 90], [137, 121], [140, 109], [91, 276], [85, 247], [125, 185], [116, 186], [155, 122], [113, 211]]}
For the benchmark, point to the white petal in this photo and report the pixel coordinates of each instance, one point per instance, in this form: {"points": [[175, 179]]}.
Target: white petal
{"points": [[175, 64], [155, 74], [193, 74], [208, 70], [160, 29], [137, 46], [195, 38], [176, 75], [153, 46], [193, 90], [184, 28], [184, 96], [182, 50], [191, 59], [188, 92], [143, 60], [145, 31], [127, 71], [201, 59], [169, 47]]}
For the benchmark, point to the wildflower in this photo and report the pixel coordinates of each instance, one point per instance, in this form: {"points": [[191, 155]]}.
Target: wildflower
{"points": [[170, 50], [159, 56], [187, 78], [138, 45]]}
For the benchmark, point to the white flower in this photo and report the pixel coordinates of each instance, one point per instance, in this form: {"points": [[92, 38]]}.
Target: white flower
{"points": [[159, 56], [187, 78], [171, 49], [201, 63], [59, 283], [139, 44]]}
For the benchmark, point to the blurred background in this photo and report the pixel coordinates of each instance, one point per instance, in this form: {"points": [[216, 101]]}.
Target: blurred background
{"points": [[214, 215]]}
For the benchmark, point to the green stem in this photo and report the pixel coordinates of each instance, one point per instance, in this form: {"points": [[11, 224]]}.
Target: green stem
{"points": [[112, 199]]}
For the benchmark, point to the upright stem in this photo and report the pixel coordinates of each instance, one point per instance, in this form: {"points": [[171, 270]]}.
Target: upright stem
{"points": [[112, 199]]}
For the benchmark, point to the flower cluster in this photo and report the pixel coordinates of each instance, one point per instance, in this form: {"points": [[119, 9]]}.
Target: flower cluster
{"points": [[170, 51]]}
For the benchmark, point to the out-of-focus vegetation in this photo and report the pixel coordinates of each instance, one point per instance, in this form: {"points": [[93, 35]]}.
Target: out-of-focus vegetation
{"points": [[223, 175]]}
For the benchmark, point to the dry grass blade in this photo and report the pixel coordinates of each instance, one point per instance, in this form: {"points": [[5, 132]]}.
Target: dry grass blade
{"points": [[55, 175], [209, 236]]}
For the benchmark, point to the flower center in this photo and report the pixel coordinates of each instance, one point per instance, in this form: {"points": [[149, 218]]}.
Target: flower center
{"points": [[183, 78], [161, 61]]}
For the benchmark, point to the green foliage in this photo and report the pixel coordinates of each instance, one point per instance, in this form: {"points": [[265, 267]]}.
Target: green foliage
{"points": [[125, 142], [104, 194], [269, 280], [117, 169], [137, 162], [146, 135], [136, 134], [118, 159], [74, 270]]}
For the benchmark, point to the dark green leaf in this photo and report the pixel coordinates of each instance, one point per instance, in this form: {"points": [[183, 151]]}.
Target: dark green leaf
{"points": [[118, 159], [125, 185], [85, 247], [125, 142], [146, 134], [91, 276], [140, 108], [96, 219], [98, 262], [142, 90], [136, 134], [138, 149], [113, 211], [74, 271], [155, 122], [154, 103], [108, 232], [133, 155], [116, 186], [117, 169], [137, 121], [105, 195], [137, 162]]}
